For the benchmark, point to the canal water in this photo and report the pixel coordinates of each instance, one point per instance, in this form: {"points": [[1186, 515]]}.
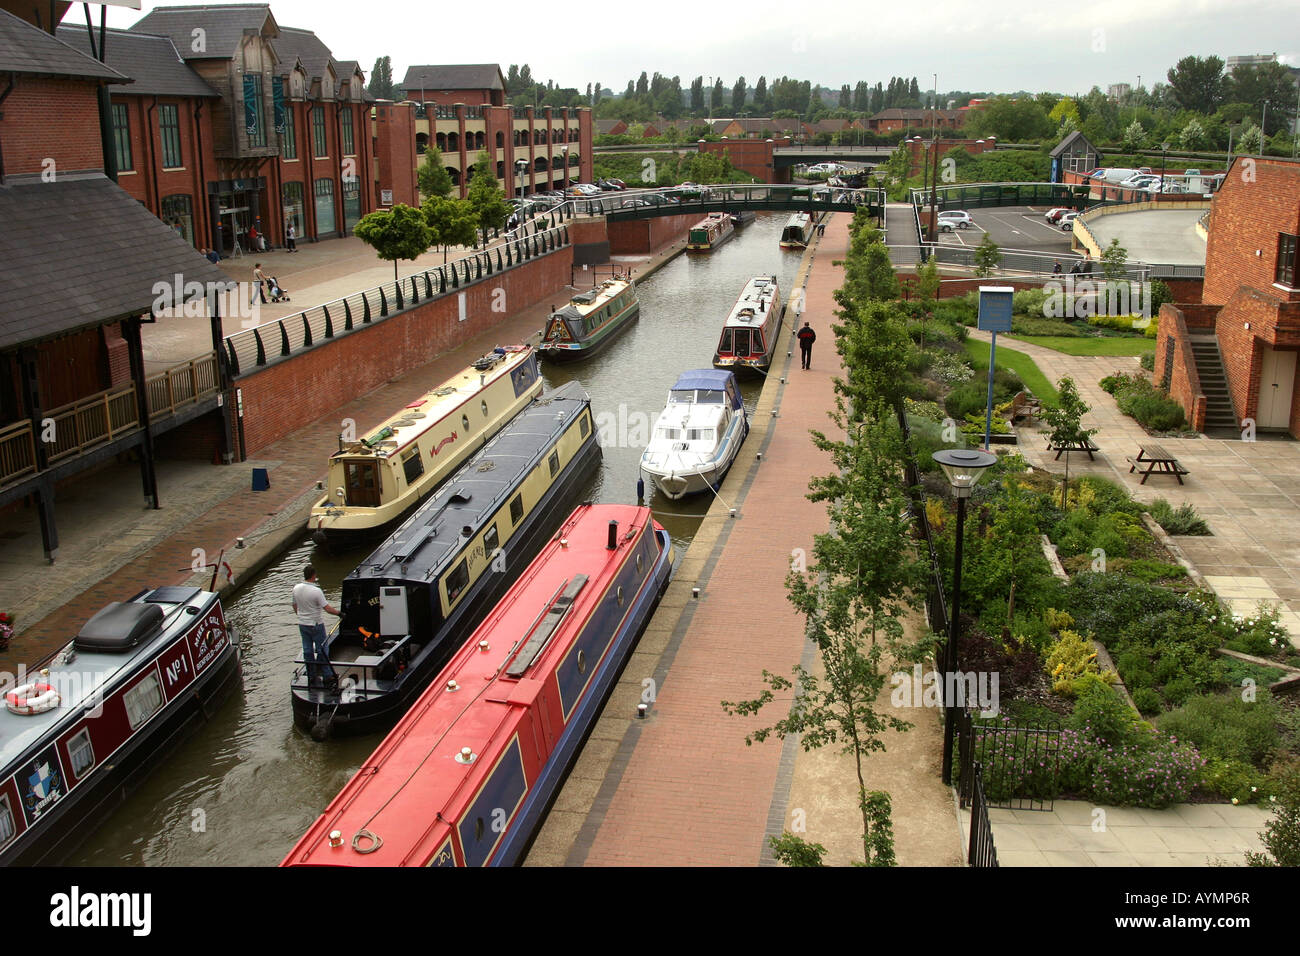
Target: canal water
{"points": [[248, 784]]}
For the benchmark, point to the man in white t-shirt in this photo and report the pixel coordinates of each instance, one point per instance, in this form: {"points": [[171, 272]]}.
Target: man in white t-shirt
{"points": [[310, 606]]}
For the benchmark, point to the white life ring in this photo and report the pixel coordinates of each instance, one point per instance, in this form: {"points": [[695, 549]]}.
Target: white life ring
{"points": [[33, 698]]}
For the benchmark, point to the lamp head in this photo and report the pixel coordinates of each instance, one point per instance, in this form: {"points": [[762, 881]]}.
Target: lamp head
{"points": [[963, 468]]}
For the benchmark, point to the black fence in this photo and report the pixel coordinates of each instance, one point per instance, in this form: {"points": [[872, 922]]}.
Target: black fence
{"points": [[254, 348], [981, 851], [1021, 763]]}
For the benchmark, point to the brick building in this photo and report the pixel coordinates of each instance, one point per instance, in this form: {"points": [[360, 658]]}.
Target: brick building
{"points": [[82, 263], [1246, 329], [753, 156], [290, 125], [887, 121], [461, 109]]}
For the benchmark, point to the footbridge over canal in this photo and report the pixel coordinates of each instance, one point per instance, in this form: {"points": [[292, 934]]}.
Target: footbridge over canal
{"points": [[679, 201]]}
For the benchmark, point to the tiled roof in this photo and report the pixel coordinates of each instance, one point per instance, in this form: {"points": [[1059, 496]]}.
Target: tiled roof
{"points": [[79, 252], [306, 46], [467, 76], [1074, 139], [151, 61], [25, 48], [223, 27]]}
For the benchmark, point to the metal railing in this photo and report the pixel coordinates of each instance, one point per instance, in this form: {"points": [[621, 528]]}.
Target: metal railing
{"points": [[981, 851], [87, 423], [1035, 264], [270, 341], [1021, 762]]}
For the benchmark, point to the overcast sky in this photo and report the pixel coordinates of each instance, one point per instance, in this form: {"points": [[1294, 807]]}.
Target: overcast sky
{"points": [[1000, 46]]}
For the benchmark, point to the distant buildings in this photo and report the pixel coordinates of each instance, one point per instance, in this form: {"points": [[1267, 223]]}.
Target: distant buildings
{"points": [[1118, 92], [462, 111], [1257, 59]]}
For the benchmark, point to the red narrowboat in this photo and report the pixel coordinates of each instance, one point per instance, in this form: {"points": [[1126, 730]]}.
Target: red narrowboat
{"points": [[467, 775]]}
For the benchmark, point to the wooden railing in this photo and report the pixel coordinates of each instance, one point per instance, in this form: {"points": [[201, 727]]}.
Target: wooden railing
{"points": [[17, 451], [80, 426]]}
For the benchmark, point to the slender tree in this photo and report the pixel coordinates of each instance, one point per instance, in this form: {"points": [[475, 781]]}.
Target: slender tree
{"points": [[485, 196], [432, 176], [738, 96]]}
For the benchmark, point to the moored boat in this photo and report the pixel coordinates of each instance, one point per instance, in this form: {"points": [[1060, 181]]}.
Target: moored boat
{"points": [[749, 334], [590, 321], [742, 217], [798, 230], [468, 774], [710, 232], [93, 721], [697, 435], [406, 607], [376, 479]]}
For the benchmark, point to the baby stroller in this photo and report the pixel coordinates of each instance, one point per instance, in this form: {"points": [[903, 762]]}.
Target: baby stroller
{"points": [[276, 293]]}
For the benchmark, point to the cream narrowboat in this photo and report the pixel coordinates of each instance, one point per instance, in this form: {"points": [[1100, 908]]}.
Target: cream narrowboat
{"points": [[376, 478]]}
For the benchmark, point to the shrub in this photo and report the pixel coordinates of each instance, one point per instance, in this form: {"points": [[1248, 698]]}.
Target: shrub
{"points": [[1119, 323], [1224, 725], [1281, 836], [1259, 634], [1180, 520], [1231, 779], [1100, 713], [1028, 325], [1153, 410], [1057, 620], [1147, 701], [1148, 361], [1148, 769], [1070, 658]]}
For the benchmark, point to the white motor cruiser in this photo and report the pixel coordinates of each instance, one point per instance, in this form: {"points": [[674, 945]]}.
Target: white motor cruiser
{"points": [[698, 434]]}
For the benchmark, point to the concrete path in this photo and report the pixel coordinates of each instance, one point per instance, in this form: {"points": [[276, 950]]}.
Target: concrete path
{"points": [[1247, 492], [1077, 833]]}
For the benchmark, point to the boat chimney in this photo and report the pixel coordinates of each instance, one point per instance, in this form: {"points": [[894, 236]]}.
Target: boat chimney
{"points": [[613, 536]]}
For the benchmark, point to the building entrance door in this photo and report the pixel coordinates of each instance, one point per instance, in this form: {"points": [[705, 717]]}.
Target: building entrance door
{"points": [[1276, 383]]}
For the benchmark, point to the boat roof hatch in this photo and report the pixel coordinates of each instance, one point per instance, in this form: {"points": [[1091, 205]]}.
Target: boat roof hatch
{"points": [[546, 627], [120, 626]]}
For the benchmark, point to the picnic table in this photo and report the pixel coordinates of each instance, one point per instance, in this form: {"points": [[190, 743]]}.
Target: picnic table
{"points": [[1157, 460], [1080, 444]]}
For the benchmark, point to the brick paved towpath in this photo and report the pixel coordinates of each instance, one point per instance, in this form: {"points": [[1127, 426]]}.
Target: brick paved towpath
{"points": [[681, 787]]}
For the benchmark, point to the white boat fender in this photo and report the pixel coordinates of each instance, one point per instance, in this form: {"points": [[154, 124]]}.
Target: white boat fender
{"points": [[34, 698]]}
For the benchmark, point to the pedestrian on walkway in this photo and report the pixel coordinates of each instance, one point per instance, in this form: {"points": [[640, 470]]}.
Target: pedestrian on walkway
{"points": [[1056, 269], [806, 339], [291, 237], [821, 229], [310, 606], [260, 278]]}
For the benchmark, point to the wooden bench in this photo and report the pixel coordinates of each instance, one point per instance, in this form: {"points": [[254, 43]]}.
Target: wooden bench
{"points": [[1153, 459], [1024, 406]]}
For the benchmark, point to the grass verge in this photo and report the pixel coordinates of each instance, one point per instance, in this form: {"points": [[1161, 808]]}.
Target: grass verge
{"points": [[1089, 345], [1018, 362]]}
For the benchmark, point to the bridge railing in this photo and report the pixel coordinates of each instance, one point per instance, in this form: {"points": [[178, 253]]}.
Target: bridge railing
{"points": [[259, 346], [1027, 263]]}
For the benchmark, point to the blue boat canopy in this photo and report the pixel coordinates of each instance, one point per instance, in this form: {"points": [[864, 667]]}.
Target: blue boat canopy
{"points": [[710, 380]]}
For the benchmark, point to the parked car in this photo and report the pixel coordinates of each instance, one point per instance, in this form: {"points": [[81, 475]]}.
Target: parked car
{"points": [[1067, 221], [1056, 212], [954, 219]]}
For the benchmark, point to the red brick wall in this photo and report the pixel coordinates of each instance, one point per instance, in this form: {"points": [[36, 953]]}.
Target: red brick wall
{"points": [[753, 156], [395, 148], [286, 396], [147, 181], [639, 236], [46, 118], [1185, 290], [1259, 198], [920, 152], [197, 440], [1175, 322]]}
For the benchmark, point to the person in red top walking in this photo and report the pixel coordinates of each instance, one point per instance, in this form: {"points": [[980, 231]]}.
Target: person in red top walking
{"points": [[806, 339]]}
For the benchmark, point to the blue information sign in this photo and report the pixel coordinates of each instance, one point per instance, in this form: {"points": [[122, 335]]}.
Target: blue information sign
{"points": [[995, 309]]}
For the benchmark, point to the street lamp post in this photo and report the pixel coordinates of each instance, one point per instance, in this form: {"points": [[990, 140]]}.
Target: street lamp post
{"points": [[1262, 117], [963, 469], [1164, 148]]}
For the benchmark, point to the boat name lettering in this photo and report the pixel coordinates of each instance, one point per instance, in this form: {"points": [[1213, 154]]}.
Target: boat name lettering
{"points": [[208, 640], [438, 447]]}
